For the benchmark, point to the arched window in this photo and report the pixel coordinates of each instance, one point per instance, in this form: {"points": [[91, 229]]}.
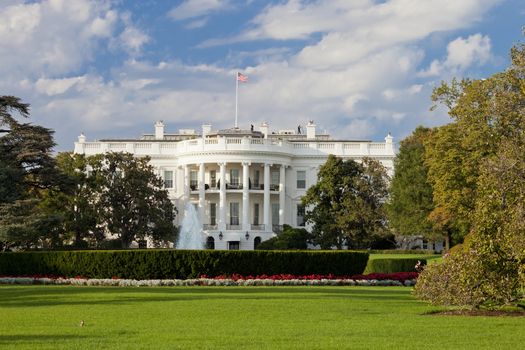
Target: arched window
{"points": [[256, 242], [210, 243]]}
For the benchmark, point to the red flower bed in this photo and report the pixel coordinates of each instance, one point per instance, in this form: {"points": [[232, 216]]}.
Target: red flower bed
{"points": [[400, 276]]}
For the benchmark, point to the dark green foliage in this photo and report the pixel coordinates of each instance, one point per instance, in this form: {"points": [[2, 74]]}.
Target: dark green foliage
{"points": [[393, 265], [345, 206], [28, 173], [290, 238], [182, 264], [410, 201]]}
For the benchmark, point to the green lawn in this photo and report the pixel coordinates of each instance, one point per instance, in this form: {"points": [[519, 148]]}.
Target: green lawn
{"points": [[239, 318], [431, 258]]}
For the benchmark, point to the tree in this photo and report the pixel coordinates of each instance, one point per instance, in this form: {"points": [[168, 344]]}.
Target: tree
{"points": [[27, 170], [82, 215], [346, 204], [489, 132], [133, 203], [411, 201], [290, 238]]}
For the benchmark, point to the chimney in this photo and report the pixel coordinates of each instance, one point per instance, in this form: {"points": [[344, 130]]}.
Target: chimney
{"points": [[264, 129], [206, 129], [159, 130], [389, 144], [310, 130]]}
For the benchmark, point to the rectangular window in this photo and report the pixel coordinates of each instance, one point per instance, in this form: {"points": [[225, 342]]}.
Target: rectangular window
{"points": [[275, 213], [213, 178], [300, 215], [274, 181], [168, 179], [275, 178], [193, 180], [301, 179], [256, 178], [233, 245], [256, 213], [234, 177], [213, 213], [234, 213]]}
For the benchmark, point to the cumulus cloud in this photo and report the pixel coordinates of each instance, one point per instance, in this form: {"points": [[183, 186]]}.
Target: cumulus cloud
{"points": [[197, 8], [132, 39], [461, 54], [353, 67]]}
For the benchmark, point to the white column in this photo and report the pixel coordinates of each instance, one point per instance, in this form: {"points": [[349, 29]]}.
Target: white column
{"points": [[266, 198], [245, 197], [222, 197], [186, 184], [281, 193], [201, 193]]}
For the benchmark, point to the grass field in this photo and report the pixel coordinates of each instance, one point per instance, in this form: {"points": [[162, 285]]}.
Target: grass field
{"points": [[429, 257], [239, 318]]}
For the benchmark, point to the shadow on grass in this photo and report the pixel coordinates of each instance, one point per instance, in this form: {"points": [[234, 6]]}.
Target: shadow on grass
{"points": [[17, 296], [39, 338]]}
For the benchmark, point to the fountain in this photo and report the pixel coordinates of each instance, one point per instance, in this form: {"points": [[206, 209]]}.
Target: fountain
{"points": [[190, 236]]}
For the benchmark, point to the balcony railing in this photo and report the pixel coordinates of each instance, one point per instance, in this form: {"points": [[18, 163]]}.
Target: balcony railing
{"points": [[277, 228], [233, 227], [209, 227], [255, 227], [234, 186]]}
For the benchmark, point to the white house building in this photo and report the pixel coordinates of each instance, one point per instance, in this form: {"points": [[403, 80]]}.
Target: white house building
{"points": [[245, 184]]}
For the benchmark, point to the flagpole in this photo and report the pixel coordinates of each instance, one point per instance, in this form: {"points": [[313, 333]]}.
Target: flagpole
{"points": [[236, 96]]}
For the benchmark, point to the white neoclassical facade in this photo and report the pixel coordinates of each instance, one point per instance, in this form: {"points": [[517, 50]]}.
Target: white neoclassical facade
{"points": [[245, 184]]}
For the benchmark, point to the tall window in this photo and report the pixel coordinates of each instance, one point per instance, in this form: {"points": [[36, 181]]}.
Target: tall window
{"points": [[168, 179], [256, 213], [234, 213], [275, 213], [256, 178], [300, 215], [301, 179], [213, 178], [234, 176], [193, 180], [213, 213], [275, 178], [274, 185]]}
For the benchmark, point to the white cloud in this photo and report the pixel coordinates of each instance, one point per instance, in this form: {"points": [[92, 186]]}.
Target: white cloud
{"points": [[52, 87], [461, 54], [197, 8], [355, 74]]}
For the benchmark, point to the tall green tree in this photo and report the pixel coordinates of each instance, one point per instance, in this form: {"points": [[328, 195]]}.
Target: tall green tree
{"points": [[345, 206], [27, 170], [82, 216], [411, 202], [482, 175], [133, 203]]}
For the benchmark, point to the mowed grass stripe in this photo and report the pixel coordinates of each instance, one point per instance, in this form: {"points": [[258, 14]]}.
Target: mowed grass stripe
{"points": [[48, 317]]}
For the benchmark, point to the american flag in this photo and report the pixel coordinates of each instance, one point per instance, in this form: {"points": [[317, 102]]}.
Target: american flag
{"points": [[242, 78]]}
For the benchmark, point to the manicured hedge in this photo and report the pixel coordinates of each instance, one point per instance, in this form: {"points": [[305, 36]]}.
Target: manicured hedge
{"points": [[181, 264], [393, 265]]}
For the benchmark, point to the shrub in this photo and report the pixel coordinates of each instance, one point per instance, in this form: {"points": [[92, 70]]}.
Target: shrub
{"points": [[290, 238], [393, 265], [468, 278], [181, 264]]}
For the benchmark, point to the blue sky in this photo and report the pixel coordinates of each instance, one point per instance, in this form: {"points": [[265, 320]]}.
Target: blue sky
{"points": [[359, 68]]}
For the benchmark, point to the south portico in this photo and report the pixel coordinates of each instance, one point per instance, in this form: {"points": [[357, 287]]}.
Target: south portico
{"points": [[240, 203], [245, 184]]}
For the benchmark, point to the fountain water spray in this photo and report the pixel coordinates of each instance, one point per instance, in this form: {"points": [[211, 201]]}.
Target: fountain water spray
{"points": [[190, 236]]}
